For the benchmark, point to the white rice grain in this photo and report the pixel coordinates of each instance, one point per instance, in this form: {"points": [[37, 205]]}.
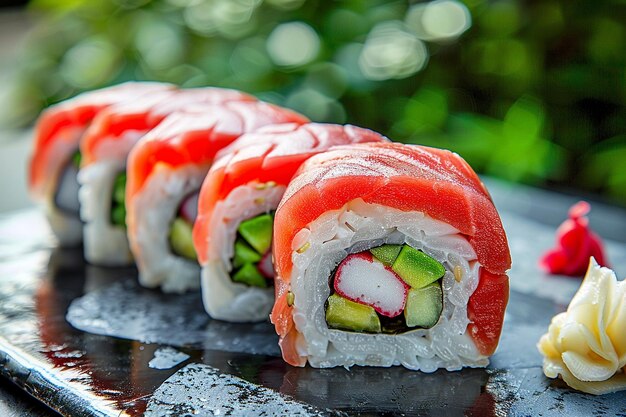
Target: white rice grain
{"points": [[104, 243]]}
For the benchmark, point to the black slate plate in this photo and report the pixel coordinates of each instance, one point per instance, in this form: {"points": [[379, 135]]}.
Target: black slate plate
{"points": [[236, 369]]}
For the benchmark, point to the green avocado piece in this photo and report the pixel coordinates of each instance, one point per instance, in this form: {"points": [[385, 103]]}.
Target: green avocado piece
{"points": [[387, 254], [244, 254], [119, 188], [250, 275], [76, 158], [342, 313], [181, 239], [257, 231], [118, 215], [416, 268], [423, 306]]}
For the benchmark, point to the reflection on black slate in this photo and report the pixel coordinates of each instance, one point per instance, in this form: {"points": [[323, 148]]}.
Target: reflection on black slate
{"points": [[166, 358], [125, 310], [201, 390], [101, 366], [14, 402]]}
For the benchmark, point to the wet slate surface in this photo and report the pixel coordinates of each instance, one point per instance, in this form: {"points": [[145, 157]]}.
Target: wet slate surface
{"points": [[81, 339], [14, 402]]}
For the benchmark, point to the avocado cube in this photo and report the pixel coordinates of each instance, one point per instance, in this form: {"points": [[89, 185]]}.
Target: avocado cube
{"points": [[387, 254], [76, 159], [416, 268], [181, 239], [342, 313], [250, 275], [244, 254], [257, 231], [118, 215], [119, 188], [423, 306]]}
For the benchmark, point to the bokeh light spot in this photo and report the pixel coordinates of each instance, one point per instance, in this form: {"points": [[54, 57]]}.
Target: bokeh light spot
{"points": [[285, 4], [232, 19], [390, 52], [90, 62], [293, 44], [439, 20], [183, 3], [199, 18], [160, 44]]}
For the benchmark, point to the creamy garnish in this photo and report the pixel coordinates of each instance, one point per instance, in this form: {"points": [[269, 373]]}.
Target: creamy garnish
{"points": [[586, 345]]}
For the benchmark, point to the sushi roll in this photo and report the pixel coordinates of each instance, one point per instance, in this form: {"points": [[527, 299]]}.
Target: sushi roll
{"points": [[102, 176], [233, 231], [56, 157], [165, 170], [389, 254]]}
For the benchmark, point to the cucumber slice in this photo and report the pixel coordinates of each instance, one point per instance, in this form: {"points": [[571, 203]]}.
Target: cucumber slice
{"points": [[76, 158], [257, 231], [118, 215], [416, 268], [250, 275], [119, 188], [244, 254], [181, 239], [118, 206], [387, 254], [342, 313], [423, 306]]}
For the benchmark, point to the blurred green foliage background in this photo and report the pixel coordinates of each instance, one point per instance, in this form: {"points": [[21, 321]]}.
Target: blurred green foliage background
{"points": [[530, 91]]}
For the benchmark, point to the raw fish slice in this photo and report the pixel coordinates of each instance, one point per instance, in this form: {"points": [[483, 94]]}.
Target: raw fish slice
{"points": [[197, 134], [408, 178], [140, 116], [57, 123]]}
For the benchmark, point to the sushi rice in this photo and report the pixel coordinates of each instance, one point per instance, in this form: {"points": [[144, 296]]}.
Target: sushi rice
{"points": [[225, 299], [104, 243], [162, 194], [66, 226]]}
